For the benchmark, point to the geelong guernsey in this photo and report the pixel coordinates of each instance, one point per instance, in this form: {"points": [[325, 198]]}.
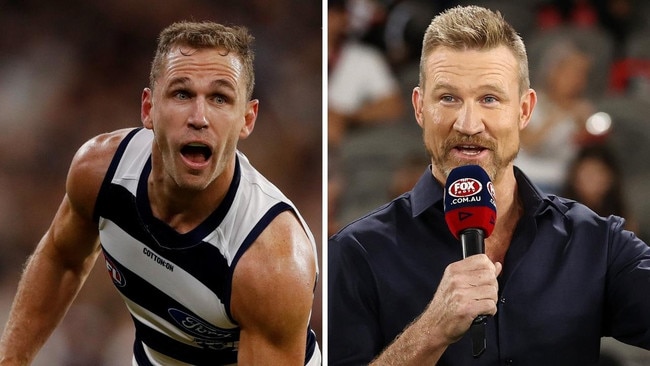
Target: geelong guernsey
{"points": [[177, 286]]}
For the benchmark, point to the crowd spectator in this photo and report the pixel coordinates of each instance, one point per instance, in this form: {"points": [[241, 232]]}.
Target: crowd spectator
{"points": [[595, 178], [362, 89], [557, 126]]}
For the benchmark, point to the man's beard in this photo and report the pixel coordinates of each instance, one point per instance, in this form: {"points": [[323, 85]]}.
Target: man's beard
{"points": [[494, 166]]}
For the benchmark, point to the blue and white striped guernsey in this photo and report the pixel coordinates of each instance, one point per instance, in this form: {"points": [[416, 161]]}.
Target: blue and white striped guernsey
{"points": [[177, 286]]}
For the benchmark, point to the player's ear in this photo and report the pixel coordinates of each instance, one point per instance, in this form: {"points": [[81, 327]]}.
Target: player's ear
{"points": [[249, 118]]}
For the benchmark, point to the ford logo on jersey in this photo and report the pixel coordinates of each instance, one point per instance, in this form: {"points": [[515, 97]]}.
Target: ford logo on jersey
{"points": [[199, 328]]}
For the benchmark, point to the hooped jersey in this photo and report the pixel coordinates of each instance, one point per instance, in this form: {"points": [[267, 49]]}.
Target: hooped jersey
{"points": [[177, 286]]}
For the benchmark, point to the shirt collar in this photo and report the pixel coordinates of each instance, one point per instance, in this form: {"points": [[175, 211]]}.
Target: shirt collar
{"points": [[428, 192], [535, 201]]}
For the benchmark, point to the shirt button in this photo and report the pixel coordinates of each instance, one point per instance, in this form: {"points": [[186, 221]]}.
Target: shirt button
{"points": [[509, 361], [502, 300]]}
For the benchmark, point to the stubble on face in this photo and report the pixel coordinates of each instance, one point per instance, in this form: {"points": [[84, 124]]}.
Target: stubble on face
{"points": [[486, 78], [444, 162], [199, 75]]}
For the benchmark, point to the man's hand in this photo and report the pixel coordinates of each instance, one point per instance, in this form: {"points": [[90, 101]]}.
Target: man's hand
{"points": [[468, 288]]}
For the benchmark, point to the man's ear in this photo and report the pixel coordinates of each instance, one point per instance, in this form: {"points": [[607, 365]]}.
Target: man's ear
{"points": [[417, 98], [527, 105], [249, 118], [146, 106]]}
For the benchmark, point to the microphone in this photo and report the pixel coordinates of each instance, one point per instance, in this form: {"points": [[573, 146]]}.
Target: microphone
{"points": [[470, 213]]}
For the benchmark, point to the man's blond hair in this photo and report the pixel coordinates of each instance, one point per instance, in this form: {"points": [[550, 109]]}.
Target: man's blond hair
{"points": [[473, 28]]}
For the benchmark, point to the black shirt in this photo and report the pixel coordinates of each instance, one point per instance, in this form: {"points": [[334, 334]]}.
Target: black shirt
{"points": [[569, 278]]}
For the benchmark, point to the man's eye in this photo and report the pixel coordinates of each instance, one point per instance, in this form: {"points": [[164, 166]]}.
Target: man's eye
{"points": [[490, 99], [447, 98], [182, 95]]}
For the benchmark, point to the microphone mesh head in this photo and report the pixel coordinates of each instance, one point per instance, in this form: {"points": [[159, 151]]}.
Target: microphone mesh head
{"points": [[469, 200]]}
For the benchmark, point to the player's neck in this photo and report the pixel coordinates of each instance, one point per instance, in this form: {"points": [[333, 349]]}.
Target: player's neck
{"points": [[184, 209]]}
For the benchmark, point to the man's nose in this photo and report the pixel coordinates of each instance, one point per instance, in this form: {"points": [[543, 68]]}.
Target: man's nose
{"points": [[469, 121], [198, 119]]}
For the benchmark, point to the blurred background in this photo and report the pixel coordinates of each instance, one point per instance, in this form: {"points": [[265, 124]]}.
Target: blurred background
{"points": [[589, 63], [72, 69], [588, 139]]}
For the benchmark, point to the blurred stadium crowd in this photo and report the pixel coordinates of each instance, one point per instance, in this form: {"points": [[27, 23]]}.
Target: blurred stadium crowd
{"points": [[598, 49], [72, 69]]}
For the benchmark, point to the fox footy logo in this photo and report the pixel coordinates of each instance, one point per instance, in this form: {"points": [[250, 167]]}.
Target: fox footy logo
{"points": [[465, 187]]}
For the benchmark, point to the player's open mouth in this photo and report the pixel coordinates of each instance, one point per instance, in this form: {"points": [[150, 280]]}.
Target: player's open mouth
{"points": [[196, 153]]}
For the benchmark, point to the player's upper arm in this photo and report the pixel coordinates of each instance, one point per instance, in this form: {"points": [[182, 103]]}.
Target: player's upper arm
{"points": [[73, 233], [272, 294]]}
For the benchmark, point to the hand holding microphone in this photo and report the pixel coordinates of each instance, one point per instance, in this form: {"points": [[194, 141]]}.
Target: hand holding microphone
{"points": [[470, 213]]}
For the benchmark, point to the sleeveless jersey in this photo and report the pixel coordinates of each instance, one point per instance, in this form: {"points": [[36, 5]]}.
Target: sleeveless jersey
{"points": [[177, 286]]}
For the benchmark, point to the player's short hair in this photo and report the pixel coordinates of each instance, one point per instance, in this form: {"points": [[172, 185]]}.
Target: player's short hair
{"points": [[202, 35]]}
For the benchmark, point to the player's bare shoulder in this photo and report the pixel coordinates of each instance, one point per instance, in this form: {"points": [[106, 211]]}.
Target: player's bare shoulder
{"points": [[281, 254], [88, 168]]}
